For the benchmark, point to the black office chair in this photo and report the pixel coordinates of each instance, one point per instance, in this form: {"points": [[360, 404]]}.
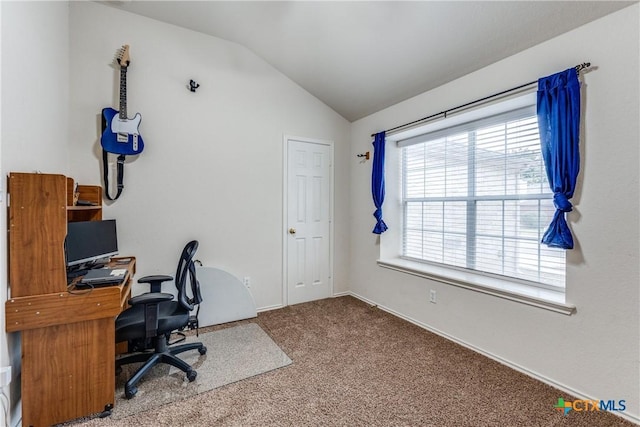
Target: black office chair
{"points": [[148, 323]]}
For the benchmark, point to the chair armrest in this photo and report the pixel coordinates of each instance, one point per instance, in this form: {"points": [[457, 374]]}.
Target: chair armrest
{"points": [[150, 298], [155, 281], [156, 278]]}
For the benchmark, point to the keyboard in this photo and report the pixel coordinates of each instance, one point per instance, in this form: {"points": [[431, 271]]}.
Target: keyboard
{"points": [[104, 277]]}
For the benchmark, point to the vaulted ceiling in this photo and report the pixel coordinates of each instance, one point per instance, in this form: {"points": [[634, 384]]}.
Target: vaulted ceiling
{"points": [[359, 57]]}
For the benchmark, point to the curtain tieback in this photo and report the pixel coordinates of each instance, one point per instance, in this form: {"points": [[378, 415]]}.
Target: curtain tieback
{"points": [[562, 203], [380, 226]]}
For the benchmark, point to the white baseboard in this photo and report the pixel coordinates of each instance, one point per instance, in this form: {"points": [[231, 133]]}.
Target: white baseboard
{"points": [[277, 306], [342, 294], [634, 418], [269, 308]]}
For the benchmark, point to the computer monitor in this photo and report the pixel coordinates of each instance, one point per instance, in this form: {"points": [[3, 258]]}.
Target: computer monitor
{"points": [[90, 241]]}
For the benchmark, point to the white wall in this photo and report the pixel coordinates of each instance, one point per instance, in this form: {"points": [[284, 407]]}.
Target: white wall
{"points": [[595, 352], [213, 163], [35, 89], [35, 94]]}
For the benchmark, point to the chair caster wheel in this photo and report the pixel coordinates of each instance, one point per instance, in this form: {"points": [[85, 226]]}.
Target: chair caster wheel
{"points": [[129, 392], [202, 350], [191, 375]]}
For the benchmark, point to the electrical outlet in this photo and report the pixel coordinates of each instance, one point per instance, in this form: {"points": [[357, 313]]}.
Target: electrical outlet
{"points": [[247, 282], [432, 296], [5, 376]]}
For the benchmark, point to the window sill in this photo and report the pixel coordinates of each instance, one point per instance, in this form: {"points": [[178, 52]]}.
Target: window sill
{"points": [[537, 297]]}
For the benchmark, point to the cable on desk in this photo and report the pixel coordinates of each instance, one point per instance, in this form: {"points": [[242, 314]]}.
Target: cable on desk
{"points": [[75, 291]]}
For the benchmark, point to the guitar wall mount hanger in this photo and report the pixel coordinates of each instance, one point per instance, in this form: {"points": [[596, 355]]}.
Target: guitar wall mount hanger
{"points": [[193, 85]]}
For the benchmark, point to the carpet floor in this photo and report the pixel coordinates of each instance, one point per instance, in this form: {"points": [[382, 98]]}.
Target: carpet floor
{"points": [[355, 365], [233, 354]]}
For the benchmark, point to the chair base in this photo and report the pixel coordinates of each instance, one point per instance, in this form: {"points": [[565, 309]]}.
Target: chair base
{"points": [[162, 354]]}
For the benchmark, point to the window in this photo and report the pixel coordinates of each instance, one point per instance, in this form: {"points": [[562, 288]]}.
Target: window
{"points": [[475, 196]]}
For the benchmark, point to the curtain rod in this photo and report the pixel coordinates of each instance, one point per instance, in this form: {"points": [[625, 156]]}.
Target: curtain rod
{"points": [[578, 68]]}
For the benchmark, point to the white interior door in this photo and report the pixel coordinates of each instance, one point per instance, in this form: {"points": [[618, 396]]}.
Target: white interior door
{"points": [[308, 222]]}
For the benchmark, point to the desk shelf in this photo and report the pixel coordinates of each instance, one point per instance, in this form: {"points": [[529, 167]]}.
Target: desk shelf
{"points": [[90, 193], [84, 208]]}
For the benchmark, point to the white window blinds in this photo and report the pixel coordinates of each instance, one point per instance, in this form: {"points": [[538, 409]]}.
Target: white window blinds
{"points": [[476, 196]]}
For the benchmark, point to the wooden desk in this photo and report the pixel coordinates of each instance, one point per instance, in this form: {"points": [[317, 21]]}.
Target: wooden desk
{"points": [[68, 350]]}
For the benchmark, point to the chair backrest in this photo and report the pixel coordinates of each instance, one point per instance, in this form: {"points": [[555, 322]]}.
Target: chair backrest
{"points": [[186, 275]]}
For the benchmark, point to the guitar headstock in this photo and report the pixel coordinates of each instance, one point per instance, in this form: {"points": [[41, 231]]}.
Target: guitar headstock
{"points": [[123, 56]]}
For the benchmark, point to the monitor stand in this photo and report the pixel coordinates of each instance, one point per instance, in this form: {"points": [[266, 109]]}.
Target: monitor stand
{"points": [[98, 263]]}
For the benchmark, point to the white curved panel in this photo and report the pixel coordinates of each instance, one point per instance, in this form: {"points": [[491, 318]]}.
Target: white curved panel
{"points": [[224, 298]]}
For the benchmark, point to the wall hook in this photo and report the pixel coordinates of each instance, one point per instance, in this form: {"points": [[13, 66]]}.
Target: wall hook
{"points": [[193, 85], [365, 155]]}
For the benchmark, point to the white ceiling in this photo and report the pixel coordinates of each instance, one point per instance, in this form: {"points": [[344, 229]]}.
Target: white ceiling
{"points": [[362, 56]]}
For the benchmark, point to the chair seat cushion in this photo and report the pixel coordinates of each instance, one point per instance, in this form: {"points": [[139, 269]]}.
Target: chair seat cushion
{"points": [[130, 323]]}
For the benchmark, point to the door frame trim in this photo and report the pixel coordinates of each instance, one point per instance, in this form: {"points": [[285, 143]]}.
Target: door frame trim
{"points": [[285, 200]]}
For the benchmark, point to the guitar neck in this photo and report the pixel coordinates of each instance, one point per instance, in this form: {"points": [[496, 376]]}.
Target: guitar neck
{"points": [[123, 93]]}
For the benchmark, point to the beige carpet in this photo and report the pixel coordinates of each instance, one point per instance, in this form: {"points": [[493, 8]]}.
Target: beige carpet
{"points": [[356, 365], [233, 354]]}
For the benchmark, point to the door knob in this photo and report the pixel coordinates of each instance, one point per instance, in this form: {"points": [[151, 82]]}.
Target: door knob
{"points": [[292, 231]]}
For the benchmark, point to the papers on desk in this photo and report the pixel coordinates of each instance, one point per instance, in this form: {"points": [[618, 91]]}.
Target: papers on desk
{"points": [[118, 272]]}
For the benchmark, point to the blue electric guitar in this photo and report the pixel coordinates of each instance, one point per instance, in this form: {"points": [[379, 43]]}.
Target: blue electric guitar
{"points": [[120, 134]]}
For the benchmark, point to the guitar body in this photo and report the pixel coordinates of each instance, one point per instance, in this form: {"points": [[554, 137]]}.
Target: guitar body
{"points": [[121, 136]]}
